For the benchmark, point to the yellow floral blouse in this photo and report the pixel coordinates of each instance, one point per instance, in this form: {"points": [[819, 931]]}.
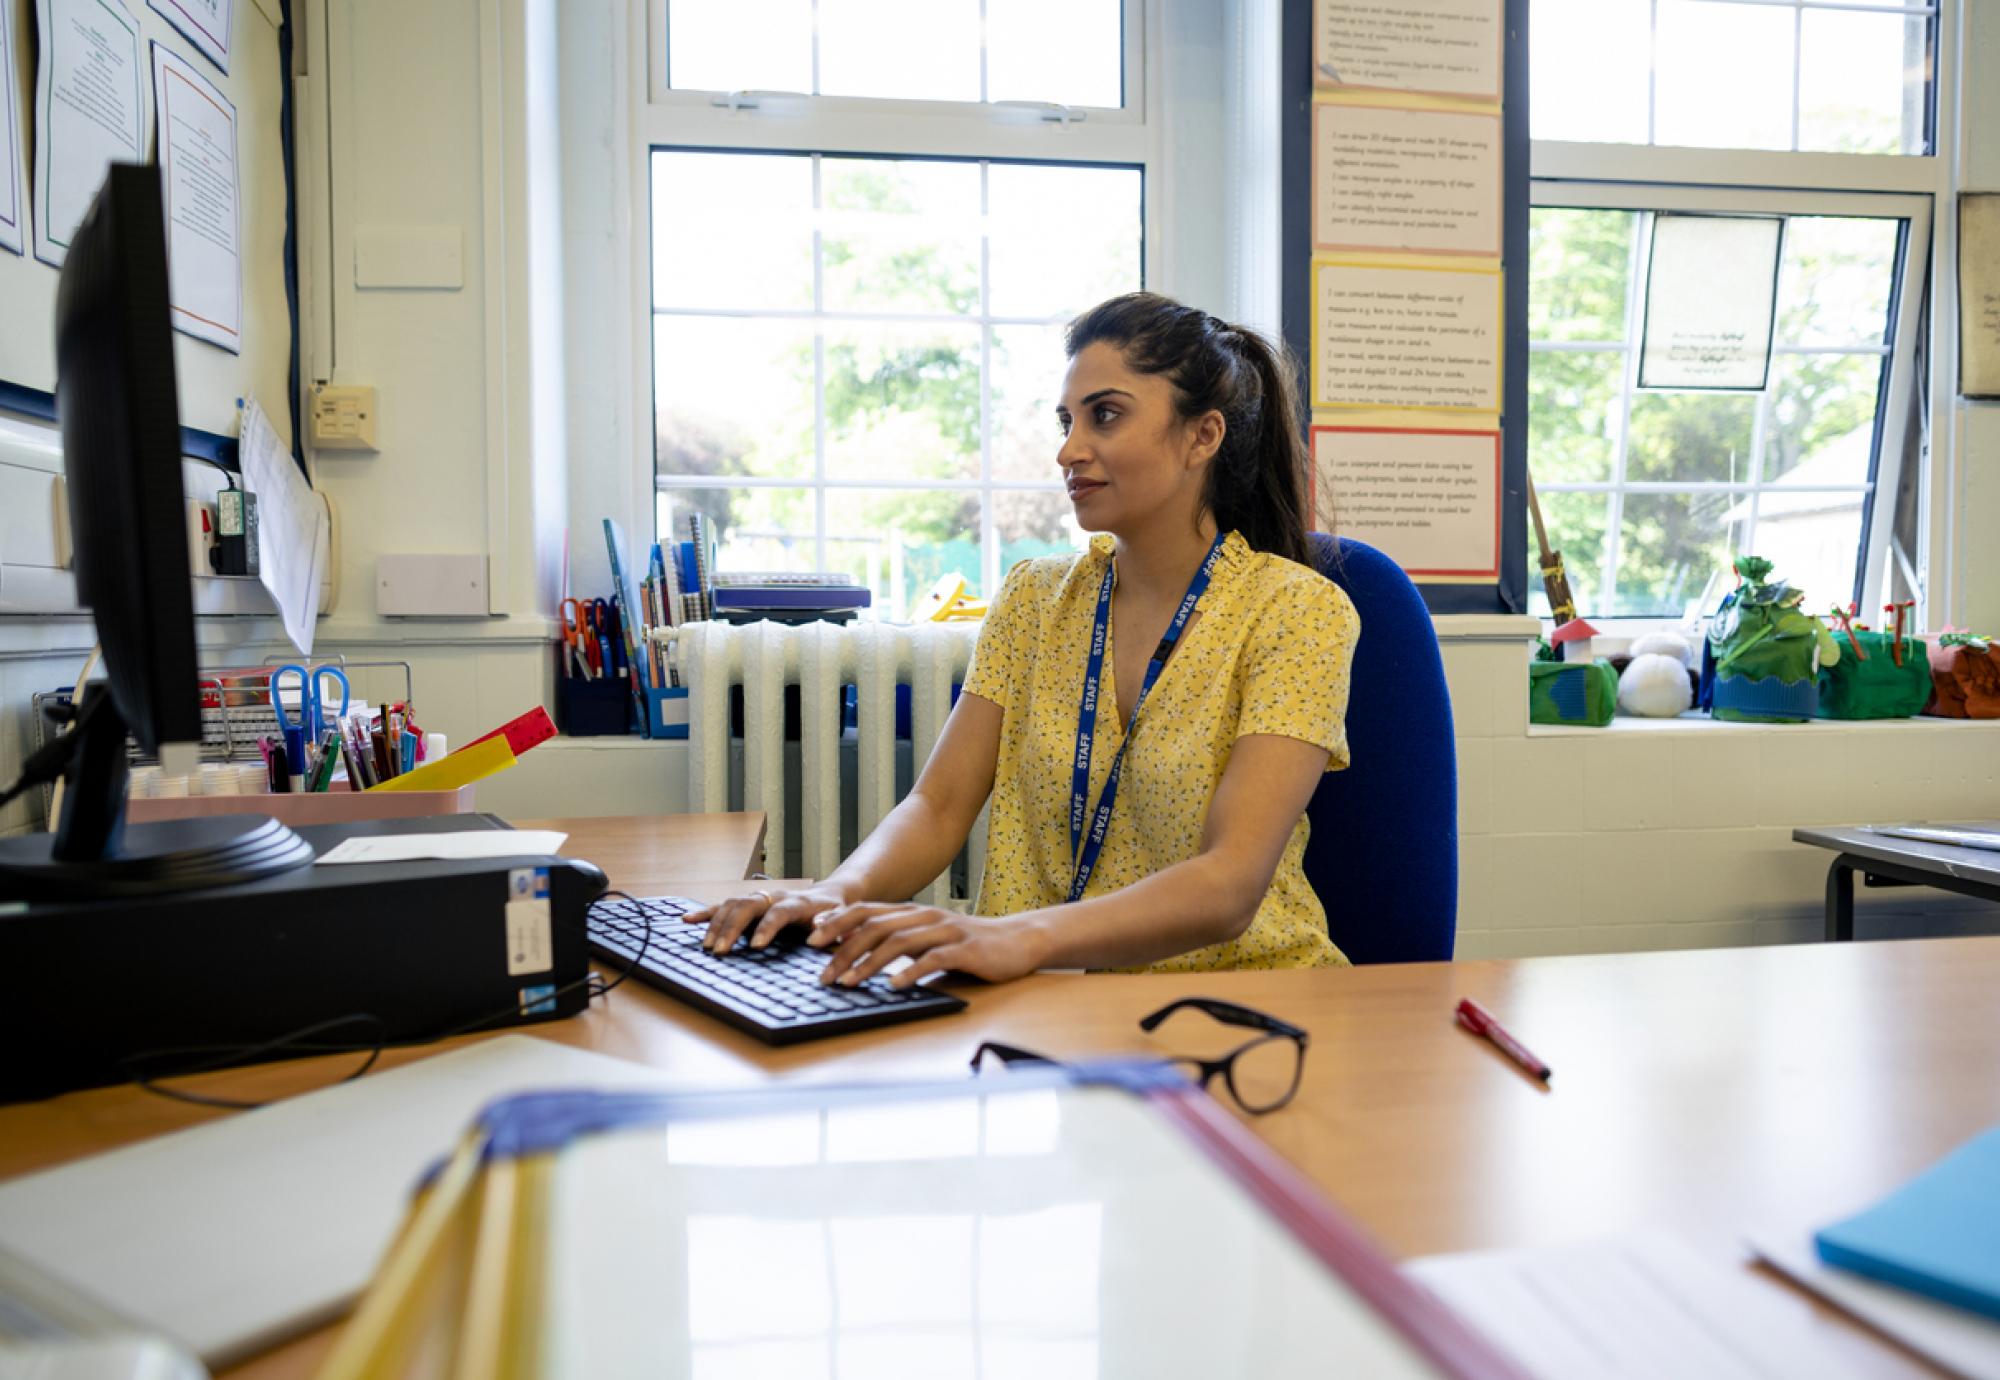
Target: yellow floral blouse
{"points": [[1269, 654]]}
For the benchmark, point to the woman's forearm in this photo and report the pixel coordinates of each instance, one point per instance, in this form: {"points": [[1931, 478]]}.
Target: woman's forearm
{"points": [[1206, 900]]}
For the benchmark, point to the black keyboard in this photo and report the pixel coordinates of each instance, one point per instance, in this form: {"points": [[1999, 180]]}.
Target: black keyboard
{"points": [[773, 993]]}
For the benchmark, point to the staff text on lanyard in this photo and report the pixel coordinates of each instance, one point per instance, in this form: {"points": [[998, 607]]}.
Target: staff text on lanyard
{"points": [[1084, 848]]}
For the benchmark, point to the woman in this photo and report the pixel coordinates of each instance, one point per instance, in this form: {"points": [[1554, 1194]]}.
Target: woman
{"points": [[1180, 441]]}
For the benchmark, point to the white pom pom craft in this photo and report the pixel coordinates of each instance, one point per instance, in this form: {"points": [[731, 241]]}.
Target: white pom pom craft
{"points": [[1663, 644], [1655, 686]]}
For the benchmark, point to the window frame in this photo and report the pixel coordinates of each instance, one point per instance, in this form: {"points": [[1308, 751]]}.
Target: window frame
{"points": [[1670, 177], [865, 111], [687, 120], [1892, 413]]}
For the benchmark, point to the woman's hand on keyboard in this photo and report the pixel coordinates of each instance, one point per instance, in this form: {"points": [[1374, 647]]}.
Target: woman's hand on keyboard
{"points": [[761, 914], [868, 936]]}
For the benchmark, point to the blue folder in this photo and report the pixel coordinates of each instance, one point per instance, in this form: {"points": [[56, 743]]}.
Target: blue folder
{"points": [[1938, 1235]]}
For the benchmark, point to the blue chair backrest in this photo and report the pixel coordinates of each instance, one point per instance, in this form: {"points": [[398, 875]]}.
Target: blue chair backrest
{"points": [[1383, 856]]}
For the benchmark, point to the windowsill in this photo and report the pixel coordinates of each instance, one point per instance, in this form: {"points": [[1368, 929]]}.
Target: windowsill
{"points": [[1486, 627], [1696, 722]]}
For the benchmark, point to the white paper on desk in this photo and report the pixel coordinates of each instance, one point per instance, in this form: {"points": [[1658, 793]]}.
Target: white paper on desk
{"points": [[197, 126], [13, 202], [89, 113], [1641, 1307], [474, 843], [291, 526], [234, 1235], [1961, 1342]]}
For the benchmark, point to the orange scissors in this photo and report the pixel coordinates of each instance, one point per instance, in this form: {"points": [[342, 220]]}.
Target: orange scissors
{"points": [[597, 620], [578, 644]]}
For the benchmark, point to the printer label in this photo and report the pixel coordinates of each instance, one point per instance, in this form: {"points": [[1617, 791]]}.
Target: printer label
{"points": [[529, 947]]}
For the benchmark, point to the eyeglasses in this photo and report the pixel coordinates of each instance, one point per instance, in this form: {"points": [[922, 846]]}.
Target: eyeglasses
{"points": [[1261, 1074]]}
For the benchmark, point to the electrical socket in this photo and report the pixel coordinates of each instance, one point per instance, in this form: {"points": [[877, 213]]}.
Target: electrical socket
{"points": [[342, 417]]}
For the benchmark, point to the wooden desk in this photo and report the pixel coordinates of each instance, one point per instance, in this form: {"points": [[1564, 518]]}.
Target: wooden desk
{"points": [[651, 854], [1699, 1092]]}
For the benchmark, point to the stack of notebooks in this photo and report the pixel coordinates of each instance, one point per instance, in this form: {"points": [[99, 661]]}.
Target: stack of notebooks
{"points": [[1921, 1265], [700, 591], [817, 596], [1938, 1235]]}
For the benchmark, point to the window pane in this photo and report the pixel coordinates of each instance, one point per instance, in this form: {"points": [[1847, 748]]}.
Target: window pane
{"points": [[1576, 525], [1031, 524], [732, 230], [1579, 266], [897, 542], [1862, 82], [1588, 64], [1064, 239], [1811, 540], [873, 365], [755, 529], [1811, 428], [902, 402], [1669, 548], [1070, 52], [1723, 75], [1836, 281], [733, 396], [909, 49], [1574, 400], [740, 45], [900, 235], [1028, 366], [1681, 436], [1822, 424]]}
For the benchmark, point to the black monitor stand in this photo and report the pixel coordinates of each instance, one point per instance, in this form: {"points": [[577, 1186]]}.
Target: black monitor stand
{"points": [[94, 854]]}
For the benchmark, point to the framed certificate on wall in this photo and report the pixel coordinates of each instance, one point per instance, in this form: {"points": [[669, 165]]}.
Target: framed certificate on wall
{"points": [[1979, 294]]}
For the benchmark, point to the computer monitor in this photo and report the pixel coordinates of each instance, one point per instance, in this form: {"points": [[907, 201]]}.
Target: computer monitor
{"points": [[116, 405]]}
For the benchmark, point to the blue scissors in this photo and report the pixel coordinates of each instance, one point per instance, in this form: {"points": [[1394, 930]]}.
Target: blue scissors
{"points": [[312, 723]]}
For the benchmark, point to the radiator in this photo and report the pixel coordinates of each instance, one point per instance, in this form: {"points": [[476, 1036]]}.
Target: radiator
{"points": [[821, 659]]}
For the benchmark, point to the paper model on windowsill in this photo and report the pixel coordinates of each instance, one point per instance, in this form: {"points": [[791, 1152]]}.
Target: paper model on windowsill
{"points": [[1572, 641], [1965, 676], [1763, 655]]}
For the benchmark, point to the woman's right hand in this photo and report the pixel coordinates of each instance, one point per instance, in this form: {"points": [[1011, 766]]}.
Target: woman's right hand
{"points": [[762, 914]]}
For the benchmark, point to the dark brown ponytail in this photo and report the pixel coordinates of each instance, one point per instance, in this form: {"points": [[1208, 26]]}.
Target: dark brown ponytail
{"points": [[1257, 482]]}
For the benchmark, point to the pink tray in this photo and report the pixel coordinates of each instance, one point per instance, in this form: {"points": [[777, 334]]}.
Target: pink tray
{"points": [[323, 807]]}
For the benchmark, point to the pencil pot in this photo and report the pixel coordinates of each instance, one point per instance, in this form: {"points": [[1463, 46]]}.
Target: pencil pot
{"points": [[593, 708], [1874, 679]]}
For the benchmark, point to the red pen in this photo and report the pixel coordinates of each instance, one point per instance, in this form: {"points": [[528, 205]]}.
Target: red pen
{"points": [[1479, 1021]]}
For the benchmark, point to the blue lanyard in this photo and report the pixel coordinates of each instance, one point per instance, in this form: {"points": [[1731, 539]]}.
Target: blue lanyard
{"points": [[1082, 849]]}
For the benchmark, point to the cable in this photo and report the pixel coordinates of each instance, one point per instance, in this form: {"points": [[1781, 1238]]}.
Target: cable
{"points": [[226, 1055], [46, 763], [645, 944], [227, 473], [299, 1041]]}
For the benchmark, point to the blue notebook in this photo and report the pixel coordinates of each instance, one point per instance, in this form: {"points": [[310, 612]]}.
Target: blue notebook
{"points": [[1938, 1235], [792, 596]]}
